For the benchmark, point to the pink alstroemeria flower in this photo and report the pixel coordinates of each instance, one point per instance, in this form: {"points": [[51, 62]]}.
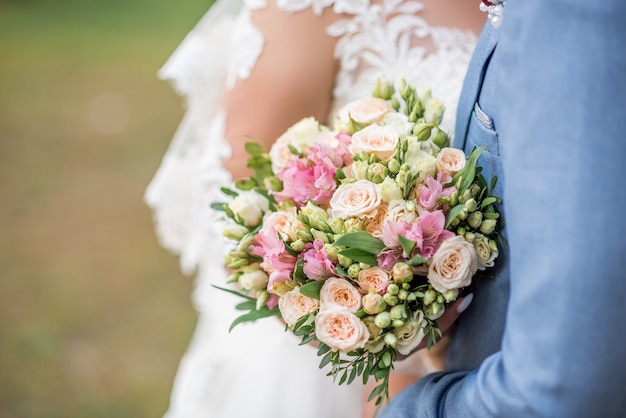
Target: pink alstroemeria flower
{"points": [[410, 231], [277, 262], [317, 265], [433, 233], [434, 190]]}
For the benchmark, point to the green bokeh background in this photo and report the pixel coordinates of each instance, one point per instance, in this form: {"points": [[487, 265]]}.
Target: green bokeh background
{"points": [[94, 315]]}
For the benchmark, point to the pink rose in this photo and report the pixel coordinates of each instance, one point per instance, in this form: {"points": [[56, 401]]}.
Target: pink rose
{"points": [[293, 305], [337, 292], [453, 265], [341, 330]]}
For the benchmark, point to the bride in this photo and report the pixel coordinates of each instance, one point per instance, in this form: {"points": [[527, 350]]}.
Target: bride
{"points": [[250, 70]]}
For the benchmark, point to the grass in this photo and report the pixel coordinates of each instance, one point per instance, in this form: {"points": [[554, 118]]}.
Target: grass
{"points": [[94, 315]]}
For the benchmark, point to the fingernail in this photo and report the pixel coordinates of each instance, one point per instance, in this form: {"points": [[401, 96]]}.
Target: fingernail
{"points": [[465, 303]]}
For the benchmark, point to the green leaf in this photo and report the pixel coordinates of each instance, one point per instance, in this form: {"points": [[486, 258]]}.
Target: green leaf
{"points": [[218, 206], [363, 241], [325, 360], [254, 149], [312, 289], [453, 214], [488, 201], [416, 260], [494, 181], [469, 171], [323, 349], [264, 312], [246, 306], [245, 184], [407, 245], [359, 255], [229, 192], [298, 271], [234, 292]]}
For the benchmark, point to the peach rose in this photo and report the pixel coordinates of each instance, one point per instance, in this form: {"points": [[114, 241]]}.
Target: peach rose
{"points": [[285, 222], [341, 330], [364, 111], [293, 305], [355, 199], [410, 334], [338, 292], [450, 161], [374, 223], [453, 265], [374, 139], [373, 278]]}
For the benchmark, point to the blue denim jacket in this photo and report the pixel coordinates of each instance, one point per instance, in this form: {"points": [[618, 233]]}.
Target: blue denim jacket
{"points": [[546, 337]]}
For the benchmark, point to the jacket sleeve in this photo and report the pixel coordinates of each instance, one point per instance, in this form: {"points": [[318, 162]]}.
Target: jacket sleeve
{"points": [[560, 74]]}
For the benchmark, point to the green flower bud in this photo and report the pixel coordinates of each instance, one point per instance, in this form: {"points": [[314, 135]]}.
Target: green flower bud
{"points": [[440, 298], [383, 89], [429, 296], [393, 289], [397, 323], [391, 300], [373, 303], [245, 242], [406, 286], [331, 251], [273, 183], [422, 131], [320, 235], [235, 232], [353, 270], [465, 196], [393, 166], [460, 231], [434, 110], [488, 226], [403, 294], [411, 297], [469, 237], [338, 226], [451, 295], [377, 172], [395, 103], [262, 299], [343, 261], [390, 339], [493, 245], [475, 219], [382, 320], [434, 311], [471, 205], [234, 277], [441, 139], [398, 312], [298, 245], [305, 236]]}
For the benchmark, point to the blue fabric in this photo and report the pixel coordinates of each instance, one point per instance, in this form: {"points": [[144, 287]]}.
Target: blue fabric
{"points": [[547, 336]]}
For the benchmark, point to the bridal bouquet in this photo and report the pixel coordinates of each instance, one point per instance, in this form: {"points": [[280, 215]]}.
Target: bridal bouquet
{"points": [[360, 235]]}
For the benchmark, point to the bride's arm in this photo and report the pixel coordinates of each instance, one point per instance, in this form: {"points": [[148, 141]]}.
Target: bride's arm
{"points": [[293, 78]]}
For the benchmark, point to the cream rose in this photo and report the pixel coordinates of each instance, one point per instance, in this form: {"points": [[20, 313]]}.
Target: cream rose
{"points": [[389, 190], [410, 334], [453, 265], [355, 199], [302, 135], [364, 111], [377, 140], [285, 222], [250, 206], [398, 121], [450, 161], [484, 254], [402, 210], [338, 292], [341, 330], [373, 278], [293, 305]]}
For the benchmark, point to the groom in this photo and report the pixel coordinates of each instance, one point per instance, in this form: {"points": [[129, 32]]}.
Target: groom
{"points": [[545, 337]]}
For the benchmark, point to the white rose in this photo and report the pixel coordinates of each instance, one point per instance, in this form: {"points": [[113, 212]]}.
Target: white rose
{"points": [[410, 334], [364, 111], [420, 162], [250, 206], [341, 330], [285, 222], [399, 211], [377, 140], [338, 292], [434, 110], [355, 199], [389, 190], [301, 136], [450, 160], [485, 256], [453, 265], [293, 305], [254, 280], [358, 170], [398, 121]]}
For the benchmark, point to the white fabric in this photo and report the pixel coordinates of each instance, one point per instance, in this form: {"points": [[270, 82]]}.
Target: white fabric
{"points": [[257, 370]]}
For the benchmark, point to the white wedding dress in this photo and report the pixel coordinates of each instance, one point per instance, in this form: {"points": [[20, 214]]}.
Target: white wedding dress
{"points": [[257, 370]]}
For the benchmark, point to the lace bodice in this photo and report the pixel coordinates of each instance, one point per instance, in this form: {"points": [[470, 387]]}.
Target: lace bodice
{"points": [[385, 38]]}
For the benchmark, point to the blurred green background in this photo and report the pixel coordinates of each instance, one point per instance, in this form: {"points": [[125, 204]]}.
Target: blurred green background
{"points": [[94, 315]]}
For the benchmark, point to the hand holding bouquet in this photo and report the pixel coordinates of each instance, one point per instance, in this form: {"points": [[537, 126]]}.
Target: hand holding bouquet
{"points": [[360, 236]]}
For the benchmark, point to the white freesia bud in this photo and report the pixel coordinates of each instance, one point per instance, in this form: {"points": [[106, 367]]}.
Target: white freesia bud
{"points": [[235, 231], [255, 280], [434, 110]]}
